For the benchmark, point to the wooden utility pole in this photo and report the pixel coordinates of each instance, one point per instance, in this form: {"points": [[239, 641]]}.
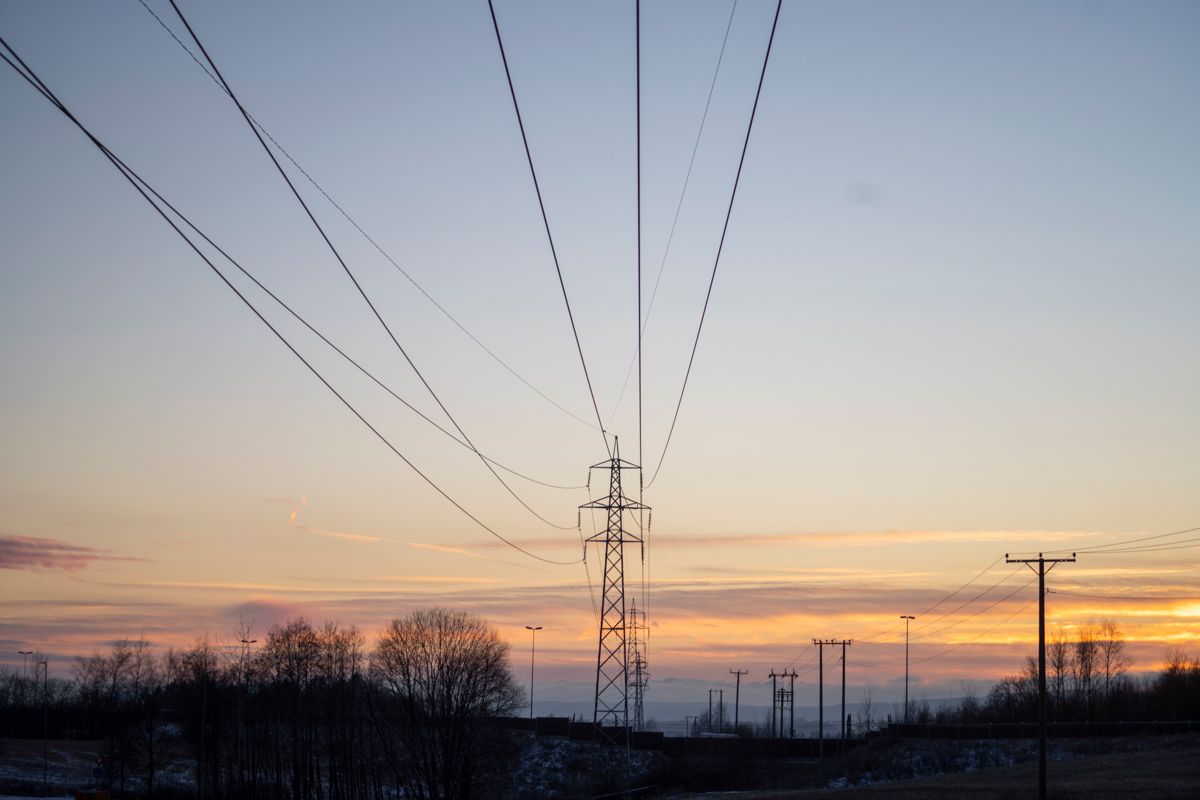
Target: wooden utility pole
{"points": [[774, 701], [844, 643], [1041, 569], [820, 643], [791, 704], [737, 694]]}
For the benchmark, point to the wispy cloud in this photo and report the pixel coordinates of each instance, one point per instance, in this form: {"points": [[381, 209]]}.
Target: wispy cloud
{"points": [[347, 537], [820, 539], [37, 553], [465, 552]]}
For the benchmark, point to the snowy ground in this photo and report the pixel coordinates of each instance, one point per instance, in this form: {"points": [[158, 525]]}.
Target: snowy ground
{"points": [[553, 766], [69, 766]]}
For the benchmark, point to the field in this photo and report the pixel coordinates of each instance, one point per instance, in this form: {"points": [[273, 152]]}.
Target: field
{"points": [[1171, 773]]}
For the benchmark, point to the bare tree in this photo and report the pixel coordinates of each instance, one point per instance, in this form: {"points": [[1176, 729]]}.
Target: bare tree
{"points": [[1083, 667], [442, 675], [1114, 661], [290, 660], [866, 715], [970, 706], [1058, 657], [145, 702], [197, 671], [1178, 662]]}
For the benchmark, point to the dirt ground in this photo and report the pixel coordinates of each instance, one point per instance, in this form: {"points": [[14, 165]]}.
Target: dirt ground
{"points": [[1172, 774]]}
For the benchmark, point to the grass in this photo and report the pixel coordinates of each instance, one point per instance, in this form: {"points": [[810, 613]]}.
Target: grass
{"points": [[1171, 773]]}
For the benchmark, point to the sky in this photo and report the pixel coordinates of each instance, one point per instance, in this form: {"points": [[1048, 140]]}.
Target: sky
{"points": [[954, 317]]}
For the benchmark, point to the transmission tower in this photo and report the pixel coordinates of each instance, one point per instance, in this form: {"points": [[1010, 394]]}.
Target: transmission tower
{"points": [[637, 663], [611, 707]]}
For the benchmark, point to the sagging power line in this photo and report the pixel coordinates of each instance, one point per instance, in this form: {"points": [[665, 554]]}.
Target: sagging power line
{"points": [[645, 319], [370, 239], [720, 245], [143, 188], [546, 222], [349, 273]]}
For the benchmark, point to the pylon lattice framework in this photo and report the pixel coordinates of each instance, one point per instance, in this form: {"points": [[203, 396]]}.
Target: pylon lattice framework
{"points": [[638, 665], [611, 708]]}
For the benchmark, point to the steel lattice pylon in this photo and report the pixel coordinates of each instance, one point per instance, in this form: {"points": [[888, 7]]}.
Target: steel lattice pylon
{"points": [[611, 709], [637, 664]]}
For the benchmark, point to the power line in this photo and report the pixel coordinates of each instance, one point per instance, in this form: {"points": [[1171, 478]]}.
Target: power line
{"points": [[678, 207], [985, 570], [924, 623], [583, 543], [346, 356], [1148, 597], [346, 268], [807, 657], [958, 608], [980, 636], [977, 613], [295, 314], [1133, 541], [366, 235], [637, 9], [875, 637], [721, 245], [870, 639], [1094, 547], [138, 182], [1149, 549], [638, 72], [546, 222]]}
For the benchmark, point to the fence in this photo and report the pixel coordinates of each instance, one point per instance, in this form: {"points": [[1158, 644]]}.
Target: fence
{"points": [[1029, 730]]}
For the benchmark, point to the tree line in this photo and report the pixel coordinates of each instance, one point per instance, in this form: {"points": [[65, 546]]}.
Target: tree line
{"points": [[307, 712], [1088, 679]]}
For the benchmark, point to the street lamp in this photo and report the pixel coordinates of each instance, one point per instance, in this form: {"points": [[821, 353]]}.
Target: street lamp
{"points": [[906, 619], [532, 653]]}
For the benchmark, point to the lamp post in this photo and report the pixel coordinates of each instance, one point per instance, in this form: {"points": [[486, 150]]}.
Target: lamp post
{"points": [[532, 655], [906, 619]]}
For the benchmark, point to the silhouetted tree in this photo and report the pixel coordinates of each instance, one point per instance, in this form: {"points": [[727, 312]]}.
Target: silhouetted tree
{"points": [[441, 676], [1114, 661], [1058, 662]]}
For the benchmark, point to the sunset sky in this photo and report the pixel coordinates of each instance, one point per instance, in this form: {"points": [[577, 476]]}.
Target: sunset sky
{"points": [[956, 316]]}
